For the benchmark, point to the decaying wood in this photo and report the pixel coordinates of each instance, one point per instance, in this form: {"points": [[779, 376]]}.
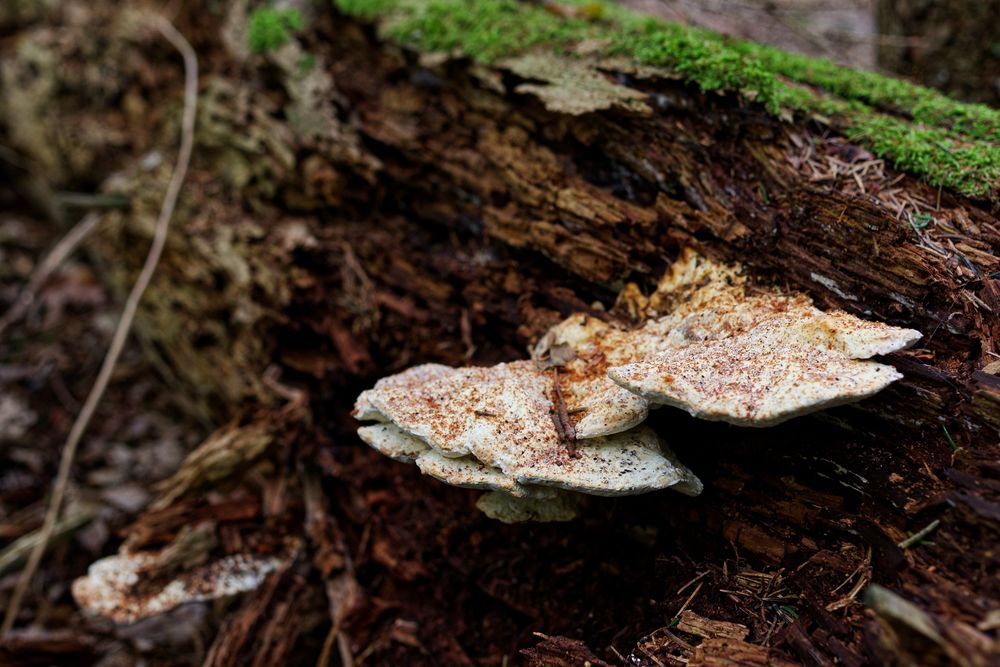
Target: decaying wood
{"points": [[387, 208], [705, 627], [562, 652], [726, 652]]}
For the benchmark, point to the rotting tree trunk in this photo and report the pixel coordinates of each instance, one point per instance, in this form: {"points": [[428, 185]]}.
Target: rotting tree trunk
{"points": [[370, 207]]}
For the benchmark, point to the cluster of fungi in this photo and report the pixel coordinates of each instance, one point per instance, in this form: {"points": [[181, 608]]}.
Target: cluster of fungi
{"points": [[541, 433]]}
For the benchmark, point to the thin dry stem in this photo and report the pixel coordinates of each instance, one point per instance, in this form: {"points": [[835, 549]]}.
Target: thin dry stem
{"points": [[63, 249], [128, 315]]}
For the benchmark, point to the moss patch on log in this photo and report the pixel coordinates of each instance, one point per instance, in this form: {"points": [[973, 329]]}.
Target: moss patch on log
{"points": [[271, 28], [951, 144]]}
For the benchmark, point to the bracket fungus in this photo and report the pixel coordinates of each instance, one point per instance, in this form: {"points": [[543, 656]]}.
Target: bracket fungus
{"points": [[758, 379], [125, 588], [508, 501], [582, 348], [537, 433], [502, 507], [411, 377], [499, 428], [757, 360]]}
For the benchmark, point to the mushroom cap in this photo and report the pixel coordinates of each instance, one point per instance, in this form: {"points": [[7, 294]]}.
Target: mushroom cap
{"points": [[464, 471], [753, 360], [450, 413], [623, 464], [699, 299], [794, 318], [862, 339], [582, 347], [391, 441], [114, 587], [411, 377], [755, 379], [600, 407], [503, 417]]}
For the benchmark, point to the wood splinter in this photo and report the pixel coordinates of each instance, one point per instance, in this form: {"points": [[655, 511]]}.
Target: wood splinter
{"points": [[560, 417]]}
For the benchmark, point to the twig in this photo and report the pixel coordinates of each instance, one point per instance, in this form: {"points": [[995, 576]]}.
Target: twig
{"points": [[652, 657], [128, 315], [690, 598], [90, 200], [560, 417], [327, 650], [696, 579], [920, 534], [343, 645], [12, 555], [677, 640], [63, 249]]}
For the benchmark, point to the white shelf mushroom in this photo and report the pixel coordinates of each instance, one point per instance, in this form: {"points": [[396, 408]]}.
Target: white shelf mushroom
{"points": [[755, 379], [464, 471], [411, 377], [498, 428], [582, 348], [121, 588], [503, 417], [536, 433], [759, 360]]}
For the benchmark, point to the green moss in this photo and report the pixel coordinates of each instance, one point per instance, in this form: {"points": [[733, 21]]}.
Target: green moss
{"points": [[971, 168], [271, 28], [923, 105], [696, 54], [484, 31], [366, 9], [920, 130], [307, 63]]}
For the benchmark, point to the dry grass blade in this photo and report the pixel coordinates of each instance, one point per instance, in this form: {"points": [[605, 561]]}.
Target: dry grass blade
{"points": [[63, 249], [128, 315]]}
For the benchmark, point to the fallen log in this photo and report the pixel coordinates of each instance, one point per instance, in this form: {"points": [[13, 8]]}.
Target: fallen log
{"points": [[396, 183]]}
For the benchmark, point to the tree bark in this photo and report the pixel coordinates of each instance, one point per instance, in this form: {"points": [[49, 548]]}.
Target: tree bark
{"points": [[386, 207]]}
